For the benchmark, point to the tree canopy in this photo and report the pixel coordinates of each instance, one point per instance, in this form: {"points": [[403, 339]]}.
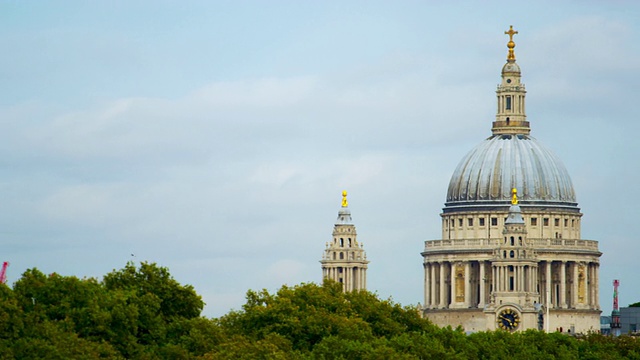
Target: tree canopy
{"points": [[141, 312]]}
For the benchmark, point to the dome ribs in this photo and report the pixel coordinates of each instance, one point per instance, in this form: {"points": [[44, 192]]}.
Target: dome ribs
{"points": [[488, 172]]}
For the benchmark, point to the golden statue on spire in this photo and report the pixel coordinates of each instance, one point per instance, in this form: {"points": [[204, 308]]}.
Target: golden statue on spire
{"points": [[514, 197], [345, 203], [511, 44]]}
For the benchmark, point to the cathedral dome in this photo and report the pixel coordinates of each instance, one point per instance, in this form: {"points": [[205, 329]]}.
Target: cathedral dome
{"points": [[510, 159], [489, 172]]}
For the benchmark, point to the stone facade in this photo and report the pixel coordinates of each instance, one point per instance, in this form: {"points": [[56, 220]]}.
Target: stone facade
{"points": [[512, 260]]}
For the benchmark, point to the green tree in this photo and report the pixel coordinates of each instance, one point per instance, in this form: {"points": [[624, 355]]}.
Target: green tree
{"points": [[176, 300], [315, 318], [133, 313], [146, 301]]}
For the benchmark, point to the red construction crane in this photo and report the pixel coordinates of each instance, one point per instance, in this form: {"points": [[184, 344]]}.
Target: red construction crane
{"points": [[615, 314], [3, 272]]}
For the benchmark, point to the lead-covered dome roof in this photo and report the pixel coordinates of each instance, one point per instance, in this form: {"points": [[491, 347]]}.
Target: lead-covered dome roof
{"points": [[488, 173]]}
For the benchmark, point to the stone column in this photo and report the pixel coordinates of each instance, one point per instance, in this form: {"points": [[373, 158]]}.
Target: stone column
{"points": [[483, 284], [591, 284], [354, 278], [532, 278], [506, 281], [587, 285], [364, 278], [426, 284], [596, 278], [443, 287], [494, 276], [347, 278], [548, 281], [563, 285], [574, 284], [433, 303], [452, 283], [467, 284]]}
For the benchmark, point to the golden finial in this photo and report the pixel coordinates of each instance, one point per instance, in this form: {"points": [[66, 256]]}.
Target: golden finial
{"points": [[511, 44], [345, 203], [514, 197]]}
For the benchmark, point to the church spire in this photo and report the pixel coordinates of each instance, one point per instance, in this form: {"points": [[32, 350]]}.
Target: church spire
{"points": [[511, 118]]}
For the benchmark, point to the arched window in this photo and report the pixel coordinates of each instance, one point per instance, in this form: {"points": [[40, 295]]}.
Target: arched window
{"points": [[349, 242], [511, 254], [341, 242], [512, 241], [341, 256]]}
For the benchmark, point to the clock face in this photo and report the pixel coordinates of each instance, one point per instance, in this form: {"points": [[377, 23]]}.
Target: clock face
{"points": [[508, 319]]}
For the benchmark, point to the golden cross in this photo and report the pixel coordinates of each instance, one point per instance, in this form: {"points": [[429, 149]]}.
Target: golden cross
{"points": [[511, 32], [511, 44]]}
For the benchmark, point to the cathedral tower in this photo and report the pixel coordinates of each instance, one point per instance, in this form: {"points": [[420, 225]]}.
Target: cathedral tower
{"points": [[344, 259], [511, 259]]}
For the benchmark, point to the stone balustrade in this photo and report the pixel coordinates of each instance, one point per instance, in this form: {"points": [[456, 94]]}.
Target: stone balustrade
{"points": [[492, 243]]}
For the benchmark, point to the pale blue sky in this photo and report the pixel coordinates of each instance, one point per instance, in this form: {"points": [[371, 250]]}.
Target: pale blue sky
{"points": [[214, 138]]}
